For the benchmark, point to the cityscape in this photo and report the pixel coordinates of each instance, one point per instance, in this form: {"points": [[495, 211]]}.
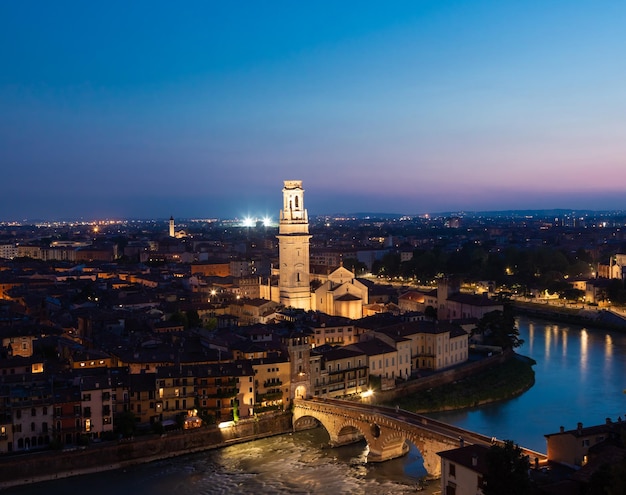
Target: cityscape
{"points": [[117, 330], [284, 247]]}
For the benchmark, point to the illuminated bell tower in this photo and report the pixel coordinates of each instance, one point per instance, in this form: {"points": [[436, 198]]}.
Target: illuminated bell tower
{"points": [[172, 233], [293, 248]]}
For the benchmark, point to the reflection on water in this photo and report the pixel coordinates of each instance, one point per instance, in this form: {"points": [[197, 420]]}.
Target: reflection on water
{"points": [[584, 353], [299, 463], [579, 377]]}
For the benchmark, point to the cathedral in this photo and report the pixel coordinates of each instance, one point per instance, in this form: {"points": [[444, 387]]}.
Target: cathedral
{"points": [[338, 293]]}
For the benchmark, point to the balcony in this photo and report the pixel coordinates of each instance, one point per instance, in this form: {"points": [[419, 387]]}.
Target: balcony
{"points": [[269, 396], [223, 394], [272, 383]]}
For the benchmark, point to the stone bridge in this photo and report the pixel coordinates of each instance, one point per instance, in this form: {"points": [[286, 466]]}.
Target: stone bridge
{"points": [[387, 431]]}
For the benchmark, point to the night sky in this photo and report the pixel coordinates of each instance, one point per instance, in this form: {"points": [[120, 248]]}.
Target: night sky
{"points": [[137, 109]]}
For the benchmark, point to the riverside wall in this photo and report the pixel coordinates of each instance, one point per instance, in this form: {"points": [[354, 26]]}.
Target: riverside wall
{"points": [[49, 465], [603, 319], [442, 377]]}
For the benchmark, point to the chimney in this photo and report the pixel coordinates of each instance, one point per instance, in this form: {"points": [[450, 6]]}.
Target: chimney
{"points": [[562, 429], [580, 428], [608, 421]]}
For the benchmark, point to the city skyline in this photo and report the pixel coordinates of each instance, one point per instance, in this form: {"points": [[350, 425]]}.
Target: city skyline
{"points": [[143, 111]]}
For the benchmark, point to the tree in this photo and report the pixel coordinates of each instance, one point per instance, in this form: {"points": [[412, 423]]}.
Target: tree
{"points": [[355, 265], [498, 328], [507, 470], [193, 319], [180, 318], [125, 424]]}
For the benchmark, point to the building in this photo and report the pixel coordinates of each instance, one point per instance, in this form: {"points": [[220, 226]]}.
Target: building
{"points": [[293, 248], [333, 330], [8, 251], [615, 269], [463, 470], [340, 294], [382, 359], [571, 447], [97, 405], [454, 305], [272, 381], [337, 293], [338, 372]]}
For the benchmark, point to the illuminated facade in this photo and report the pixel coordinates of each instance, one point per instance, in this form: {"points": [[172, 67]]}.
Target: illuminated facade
{"points": [[293, 247]]}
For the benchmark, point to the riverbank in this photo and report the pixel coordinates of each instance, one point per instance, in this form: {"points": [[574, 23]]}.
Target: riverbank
{"points": [[49, 465], [603, 318], [503, 380]]}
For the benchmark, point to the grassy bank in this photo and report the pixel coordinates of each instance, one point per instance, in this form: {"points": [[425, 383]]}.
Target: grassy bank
{"points": [[503, 381]]}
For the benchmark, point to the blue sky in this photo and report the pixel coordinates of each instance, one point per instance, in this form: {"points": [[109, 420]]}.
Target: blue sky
{"points": [[150, 109]]}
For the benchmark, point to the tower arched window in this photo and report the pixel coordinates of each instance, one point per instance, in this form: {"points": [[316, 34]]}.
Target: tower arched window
{"points": [[297, 202]]}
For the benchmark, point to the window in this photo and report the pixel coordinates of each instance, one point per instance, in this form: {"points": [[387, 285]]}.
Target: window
{"points": [[33, 412], [452, 469]]}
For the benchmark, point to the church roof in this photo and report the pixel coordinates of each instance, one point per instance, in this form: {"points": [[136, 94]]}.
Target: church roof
{"points": [[348, 297]]}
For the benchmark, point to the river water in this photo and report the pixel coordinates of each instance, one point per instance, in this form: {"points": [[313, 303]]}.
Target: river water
{"points": [[580, 377]]}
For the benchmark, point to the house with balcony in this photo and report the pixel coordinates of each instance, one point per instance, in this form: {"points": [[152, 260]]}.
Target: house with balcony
{"points": [[272, 381], [339, 371], [225, 390]]}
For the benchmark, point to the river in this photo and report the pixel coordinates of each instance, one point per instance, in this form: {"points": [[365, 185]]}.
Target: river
{"points": [[580, 377]]}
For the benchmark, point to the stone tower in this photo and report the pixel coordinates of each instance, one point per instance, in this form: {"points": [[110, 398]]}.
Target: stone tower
{"points": [[293, 248], [172, 233]]}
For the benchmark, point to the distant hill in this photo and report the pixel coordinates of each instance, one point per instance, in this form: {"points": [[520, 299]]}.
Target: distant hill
{"points": [[556, 212]]}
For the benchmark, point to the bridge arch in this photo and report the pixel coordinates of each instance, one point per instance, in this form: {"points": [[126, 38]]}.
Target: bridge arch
{"points": [[388, 432], [344, 429]]}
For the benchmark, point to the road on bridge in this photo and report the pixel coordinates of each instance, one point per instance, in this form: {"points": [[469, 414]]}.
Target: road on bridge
{"points": [[445, 429]]}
